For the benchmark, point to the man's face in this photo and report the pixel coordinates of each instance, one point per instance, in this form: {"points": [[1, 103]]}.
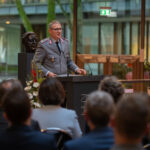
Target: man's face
{"points": [[55, 31]]}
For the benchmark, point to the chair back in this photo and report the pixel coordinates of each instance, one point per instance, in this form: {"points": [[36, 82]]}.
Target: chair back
{"points": [[147, 147], [61, 136]]}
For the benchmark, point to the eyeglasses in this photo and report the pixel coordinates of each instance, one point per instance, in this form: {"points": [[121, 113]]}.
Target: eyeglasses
{"points": [[56, 29]]}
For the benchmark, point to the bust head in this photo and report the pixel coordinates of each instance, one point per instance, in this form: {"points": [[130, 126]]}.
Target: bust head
{"points": [[30, 41]]}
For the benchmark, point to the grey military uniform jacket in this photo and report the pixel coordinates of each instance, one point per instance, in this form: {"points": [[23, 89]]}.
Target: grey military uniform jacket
{"points": [[48, 58]]}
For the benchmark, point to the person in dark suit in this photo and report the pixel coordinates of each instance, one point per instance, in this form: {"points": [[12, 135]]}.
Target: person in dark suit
{"points": [[114, 87], [52, 55], [99, 107], [131, 121], [20, 136], [5, 86]]}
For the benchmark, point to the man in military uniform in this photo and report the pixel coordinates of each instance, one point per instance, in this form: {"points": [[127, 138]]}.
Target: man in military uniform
{"points": [[52, 55]]}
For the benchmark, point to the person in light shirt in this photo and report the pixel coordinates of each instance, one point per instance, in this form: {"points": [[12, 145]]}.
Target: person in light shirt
{"points": [[52, 115]]}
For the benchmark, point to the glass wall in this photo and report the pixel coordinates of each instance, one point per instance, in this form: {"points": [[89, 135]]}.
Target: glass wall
{"points": [[9, 48], [123, 22], [114, 33], [117, 32], [11, 32]]}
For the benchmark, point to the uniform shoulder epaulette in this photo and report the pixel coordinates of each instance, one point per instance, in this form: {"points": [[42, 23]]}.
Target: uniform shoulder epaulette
{"points": [[65, 39], [44, 40]]}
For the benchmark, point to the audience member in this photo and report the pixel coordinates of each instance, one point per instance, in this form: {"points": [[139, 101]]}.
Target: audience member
{"points": [[52, 95], [99, 107], [5, 86], [19, 136], [112, 86], [130, 122]]}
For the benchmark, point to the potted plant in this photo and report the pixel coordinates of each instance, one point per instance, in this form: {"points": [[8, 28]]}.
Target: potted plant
{"points": [[146, 69], [122, 71]]}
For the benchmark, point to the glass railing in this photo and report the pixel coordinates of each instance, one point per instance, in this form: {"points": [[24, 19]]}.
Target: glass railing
{"points": [[5, 2], [9, 2]]}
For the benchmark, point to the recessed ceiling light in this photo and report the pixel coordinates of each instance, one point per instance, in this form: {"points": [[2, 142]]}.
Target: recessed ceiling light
{"points": [[7, 22]]}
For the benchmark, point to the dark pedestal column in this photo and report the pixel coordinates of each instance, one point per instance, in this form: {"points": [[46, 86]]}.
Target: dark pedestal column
{"points": [[24, 66], [77, 88]]}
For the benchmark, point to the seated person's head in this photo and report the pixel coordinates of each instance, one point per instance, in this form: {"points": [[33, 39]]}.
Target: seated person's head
{"points": [[51, 92], [7, 85], [99, 107], [132, 116], [16, 106], [112, 86]]}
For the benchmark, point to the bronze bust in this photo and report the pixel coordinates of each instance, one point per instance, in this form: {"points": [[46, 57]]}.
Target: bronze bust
{"points": [[30, 41]]}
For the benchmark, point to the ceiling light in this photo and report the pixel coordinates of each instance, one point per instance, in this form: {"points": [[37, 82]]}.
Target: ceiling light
{"points": [[7, 22]]}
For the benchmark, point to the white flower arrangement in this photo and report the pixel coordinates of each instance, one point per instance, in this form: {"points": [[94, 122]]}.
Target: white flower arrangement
{"points": [[32, 91], [33, 85], [36, 84]]}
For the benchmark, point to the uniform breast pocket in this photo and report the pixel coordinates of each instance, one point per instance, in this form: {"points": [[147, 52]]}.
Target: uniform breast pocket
{"points": [[51, 58], [66, 55]]}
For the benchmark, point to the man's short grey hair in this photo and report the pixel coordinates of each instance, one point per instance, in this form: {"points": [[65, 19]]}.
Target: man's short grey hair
{"points": [[53, 22], [99, 106]]}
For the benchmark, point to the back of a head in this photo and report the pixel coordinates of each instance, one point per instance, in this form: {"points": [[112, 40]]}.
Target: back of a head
{"points": [[51, 92], [99, 106], [7, 85], [16, 105], [112, 86], [132, 115]]}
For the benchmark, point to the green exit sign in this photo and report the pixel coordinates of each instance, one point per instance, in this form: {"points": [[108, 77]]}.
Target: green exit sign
{"points": [[105, 11]]}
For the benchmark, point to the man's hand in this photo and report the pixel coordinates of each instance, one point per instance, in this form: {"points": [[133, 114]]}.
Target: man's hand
{"points": [[81, 71], [51, 74]]}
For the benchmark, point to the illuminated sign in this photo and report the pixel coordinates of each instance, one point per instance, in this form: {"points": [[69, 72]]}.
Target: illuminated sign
{"points": [[105, 11]]}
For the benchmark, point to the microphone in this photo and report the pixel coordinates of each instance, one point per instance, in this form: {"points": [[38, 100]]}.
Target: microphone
{"points": [[78, 52], [90, 73], [67, 66]]}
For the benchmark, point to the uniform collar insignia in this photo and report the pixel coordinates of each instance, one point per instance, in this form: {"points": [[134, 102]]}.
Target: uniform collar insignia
{"points": [[50, 41], [62, 40]]}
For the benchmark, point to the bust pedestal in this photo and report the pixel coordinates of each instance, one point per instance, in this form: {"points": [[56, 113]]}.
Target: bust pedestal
{"points": [[24, 66]]}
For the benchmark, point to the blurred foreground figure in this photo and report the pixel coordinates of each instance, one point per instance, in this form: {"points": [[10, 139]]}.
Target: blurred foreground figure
{"points": [[131, 121], [6, 86], [99, 107], [19, 136]]}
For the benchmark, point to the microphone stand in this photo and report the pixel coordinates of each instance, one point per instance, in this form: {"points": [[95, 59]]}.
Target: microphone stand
{"points": [[67, 68]]}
